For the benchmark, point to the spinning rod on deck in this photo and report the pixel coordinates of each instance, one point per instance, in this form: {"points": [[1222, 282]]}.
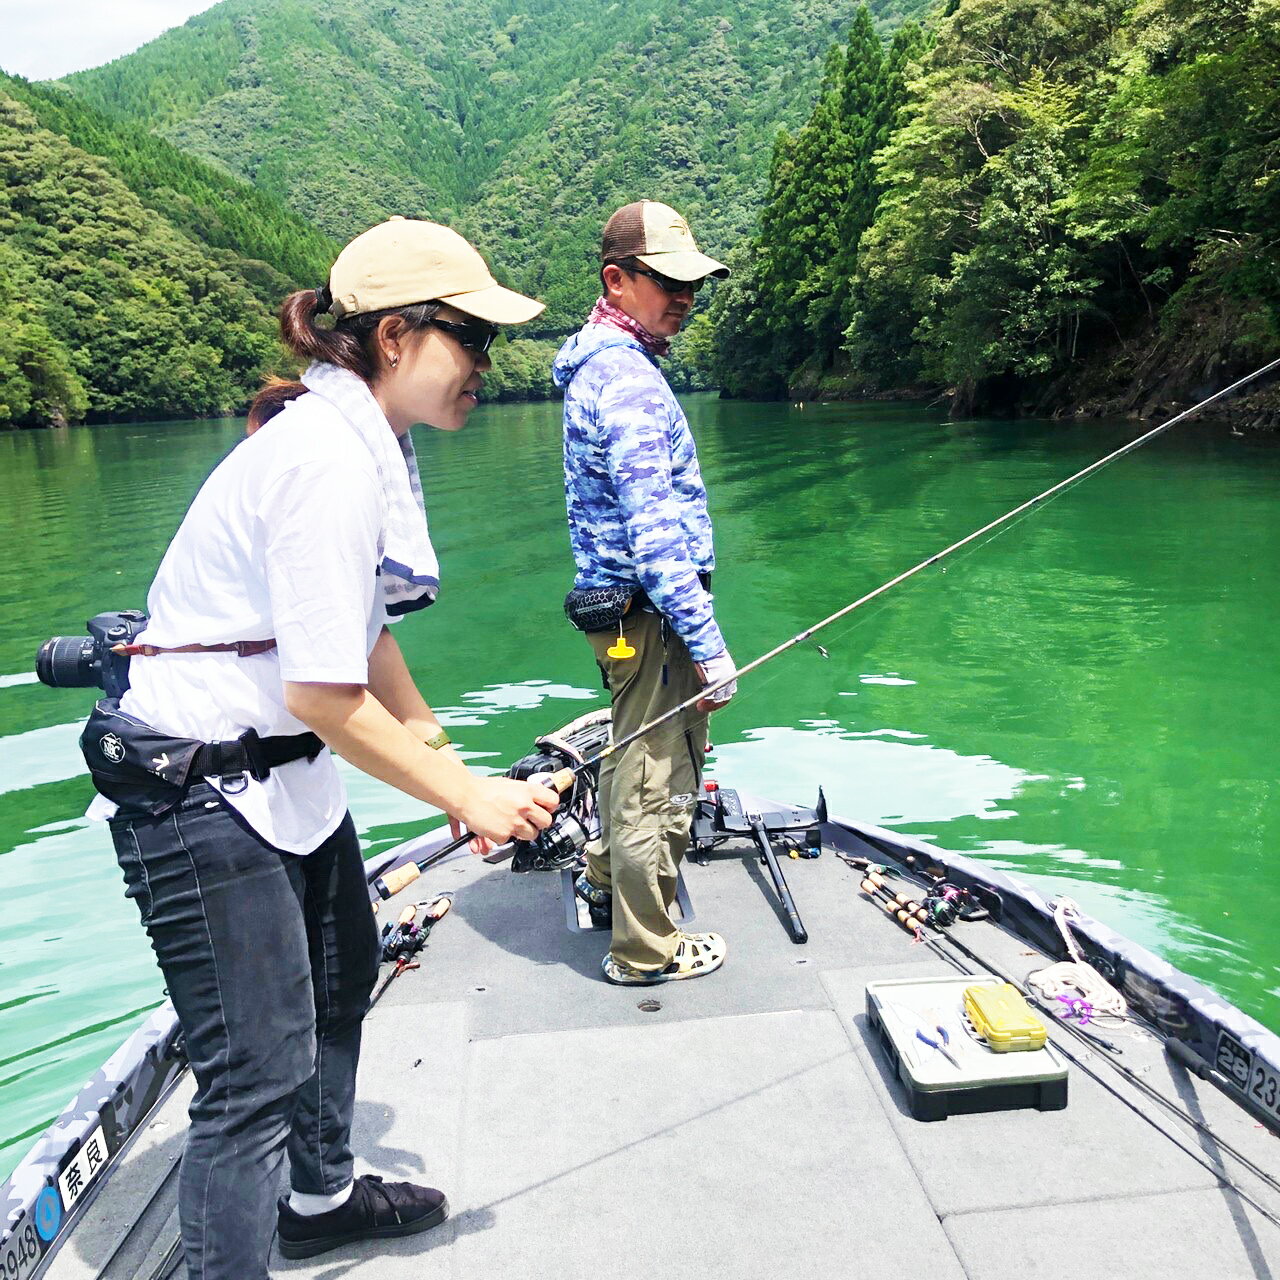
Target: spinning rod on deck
{"points": [[396, 880]]}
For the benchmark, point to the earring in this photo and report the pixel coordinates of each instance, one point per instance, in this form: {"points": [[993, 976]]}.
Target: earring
{"points": [[393, 361]]}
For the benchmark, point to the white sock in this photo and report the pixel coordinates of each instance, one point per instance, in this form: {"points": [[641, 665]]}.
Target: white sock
{"points": [[308, 1206]]}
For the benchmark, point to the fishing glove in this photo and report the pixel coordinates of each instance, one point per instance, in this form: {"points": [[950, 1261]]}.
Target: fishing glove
{"points": [[713, 670]]}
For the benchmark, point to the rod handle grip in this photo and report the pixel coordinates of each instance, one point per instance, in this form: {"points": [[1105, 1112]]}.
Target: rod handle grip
{"points": [[1185, 1055], [408, 915], [391, 884], [562, 780], [438, 909]]}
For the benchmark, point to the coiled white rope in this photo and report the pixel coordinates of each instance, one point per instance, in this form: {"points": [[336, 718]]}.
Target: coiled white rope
{"points": [[1075, 982]]}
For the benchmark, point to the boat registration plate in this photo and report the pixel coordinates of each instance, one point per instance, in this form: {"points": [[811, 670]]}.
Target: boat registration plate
{"points": [[1257, 1080], [21, 1249]]}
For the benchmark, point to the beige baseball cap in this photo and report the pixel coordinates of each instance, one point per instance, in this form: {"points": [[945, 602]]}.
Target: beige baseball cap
{"points": [[660, 238], [406, 260]]}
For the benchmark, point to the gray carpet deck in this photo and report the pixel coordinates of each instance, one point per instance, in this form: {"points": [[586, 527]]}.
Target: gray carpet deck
{"points": [[747, 1128]]}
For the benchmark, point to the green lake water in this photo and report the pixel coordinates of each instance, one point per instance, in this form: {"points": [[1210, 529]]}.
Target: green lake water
{"points": [[1089, 700]]}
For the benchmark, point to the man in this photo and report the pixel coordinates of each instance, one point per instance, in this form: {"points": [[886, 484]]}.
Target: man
{"points": [[641, 540]]}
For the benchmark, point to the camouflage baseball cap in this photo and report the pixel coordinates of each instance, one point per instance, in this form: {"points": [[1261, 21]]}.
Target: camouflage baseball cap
{"points": [[660, 238], [405, 260]]}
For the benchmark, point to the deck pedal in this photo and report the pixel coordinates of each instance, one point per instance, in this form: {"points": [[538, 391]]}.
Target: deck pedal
{"points": [[578, 920]]}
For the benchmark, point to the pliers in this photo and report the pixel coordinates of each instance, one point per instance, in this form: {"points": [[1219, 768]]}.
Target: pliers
{"points": [[941, 1044], [935, 1035]]}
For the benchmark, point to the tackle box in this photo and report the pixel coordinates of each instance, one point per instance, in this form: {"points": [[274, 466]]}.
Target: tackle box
{"points": [[1003, 1018], [984, 1080]]}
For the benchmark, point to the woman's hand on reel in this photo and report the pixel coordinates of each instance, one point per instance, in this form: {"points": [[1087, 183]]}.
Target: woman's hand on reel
{"points": [[503, 809]]}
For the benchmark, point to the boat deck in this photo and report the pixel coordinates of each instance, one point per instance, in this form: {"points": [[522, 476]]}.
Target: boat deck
{"points": [[748, 1127]]}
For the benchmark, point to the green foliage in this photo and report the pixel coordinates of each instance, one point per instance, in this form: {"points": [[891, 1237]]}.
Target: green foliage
{"points": [[106, 310], [989, 207], [971, 256], [273, 249], [1063, 178], [521, 370], [996, 210], [684, 113], [740, 354], [1185, 176]]}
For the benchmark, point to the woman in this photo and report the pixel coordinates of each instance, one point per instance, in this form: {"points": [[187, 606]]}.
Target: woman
{"points": [[268, 624]]}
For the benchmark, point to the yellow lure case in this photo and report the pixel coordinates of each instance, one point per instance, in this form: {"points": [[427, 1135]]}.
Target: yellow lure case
{"points": [[1003, 1018]]}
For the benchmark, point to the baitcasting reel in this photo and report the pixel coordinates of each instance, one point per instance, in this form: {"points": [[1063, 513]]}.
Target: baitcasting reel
{"points": [[946, 903]]}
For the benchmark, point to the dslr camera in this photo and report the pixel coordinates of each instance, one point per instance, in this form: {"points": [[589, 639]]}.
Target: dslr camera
{"points": [[80, 662]]}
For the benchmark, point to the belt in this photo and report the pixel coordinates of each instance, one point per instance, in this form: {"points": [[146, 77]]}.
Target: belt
{"points": [[253, 755], [241, 648]]}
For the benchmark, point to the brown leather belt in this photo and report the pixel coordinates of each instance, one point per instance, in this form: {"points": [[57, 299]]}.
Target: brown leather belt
{"points": [[241, 648]]}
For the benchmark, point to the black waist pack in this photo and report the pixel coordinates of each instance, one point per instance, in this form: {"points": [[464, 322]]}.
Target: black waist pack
{"points": [[598, 608], [147, 772], [602, 608]]}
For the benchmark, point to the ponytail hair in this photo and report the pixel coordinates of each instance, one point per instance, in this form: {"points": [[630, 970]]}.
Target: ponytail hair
{"points": [[348, 344], [275, 394]]}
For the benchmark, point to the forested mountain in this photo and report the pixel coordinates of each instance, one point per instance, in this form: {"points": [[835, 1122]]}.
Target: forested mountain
{"points": [[202, 200], [134, 281], [1027, 204], [1073, 205], [523, 122]]}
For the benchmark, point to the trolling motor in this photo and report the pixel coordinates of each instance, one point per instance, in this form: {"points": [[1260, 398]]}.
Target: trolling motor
{"points": [[722, 816]]}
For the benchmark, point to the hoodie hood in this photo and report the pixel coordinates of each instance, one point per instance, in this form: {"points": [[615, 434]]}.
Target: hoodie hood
{"points": [[589, 341]]}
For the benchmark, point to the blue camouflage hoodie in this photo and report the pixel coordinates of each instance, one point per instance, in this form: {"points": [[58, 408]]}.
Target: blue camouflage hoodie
{"points": [[637, 505]]}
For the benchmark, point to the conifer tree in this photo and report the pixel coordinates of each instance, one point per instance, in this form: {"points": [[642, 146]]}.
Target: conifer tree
{"points": [[794, 305], [862, 106]]}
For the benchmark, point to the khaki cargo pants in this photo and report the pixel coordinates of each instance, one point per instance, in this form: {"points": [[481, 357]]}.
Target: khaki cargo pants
{"points": [[648, 791]]}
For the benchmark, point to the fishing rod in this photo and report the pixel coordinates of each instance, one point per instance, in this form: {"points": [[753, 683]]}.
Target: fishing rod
{"points": [[801, 636], [388, 885], [396, 880], [406, 938], [1180, 1052]]}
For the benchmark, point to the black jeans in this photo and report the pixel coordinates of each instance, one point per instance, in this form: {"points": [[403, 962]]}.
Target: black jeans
{"points": [[269, 958]]}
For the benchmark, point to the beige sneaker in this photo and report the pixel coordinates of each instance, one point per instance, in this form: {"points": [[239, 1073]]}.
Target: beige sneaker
{"points": [[696, 954]]}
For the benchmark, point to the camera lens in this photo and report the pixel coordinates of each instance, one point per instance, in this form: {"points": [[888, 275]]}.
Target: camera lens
{"points": [[67, 662]]}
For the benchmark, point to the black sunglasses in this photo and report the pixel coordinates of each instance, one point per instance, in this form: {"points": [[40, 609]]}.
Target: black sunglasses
{"points": [[476, 336], [666, 283]]}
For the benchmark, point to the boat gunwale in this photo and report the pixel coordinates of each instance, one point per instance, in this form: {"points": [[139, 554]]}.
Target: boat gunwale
{"points": [[1178, 1006]]}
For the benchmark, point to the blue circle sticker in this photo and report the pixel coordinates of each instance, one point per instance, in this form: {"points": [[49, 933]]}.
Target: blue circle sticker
{"points": [[48, 1213]]}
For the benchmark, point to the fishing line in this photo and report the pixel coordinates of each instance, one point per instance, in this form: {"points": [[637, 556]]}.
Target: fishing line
{"points": [[1000, 524], [1006, 519]]}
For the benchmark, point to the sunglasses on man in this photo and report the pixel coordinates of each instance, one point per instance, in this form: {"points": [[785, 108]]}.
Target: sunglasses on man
{"points": [[476, 336], [666, 283]]}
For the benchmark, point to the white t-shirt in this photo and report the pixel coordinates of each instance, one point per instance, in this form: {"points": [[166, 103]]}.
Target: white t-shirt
{"points": [[283, 540]]}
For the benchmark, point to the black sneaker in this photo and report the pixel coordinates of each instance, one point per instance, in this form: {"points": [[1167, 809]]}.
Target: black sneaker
{"points": [[375, 1209]]}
